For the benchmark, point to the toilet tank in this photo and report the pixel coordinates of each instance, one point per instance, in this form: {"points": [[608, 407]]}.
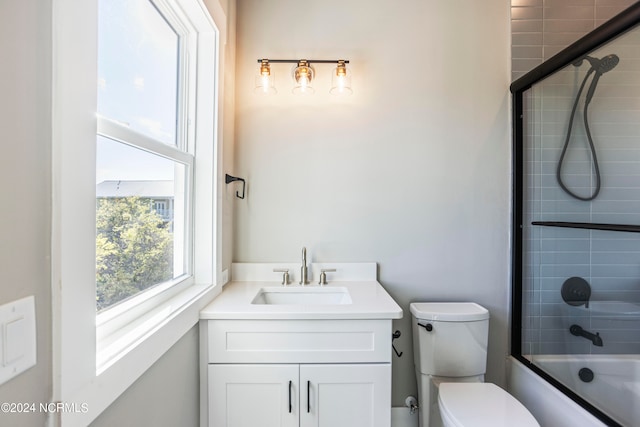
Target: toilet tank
{"points": [[450, 339]]}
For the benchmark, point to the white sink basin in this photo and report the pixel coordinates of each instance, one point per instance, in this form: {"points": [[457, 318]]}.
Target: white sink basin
{"points": [[312, 295]]}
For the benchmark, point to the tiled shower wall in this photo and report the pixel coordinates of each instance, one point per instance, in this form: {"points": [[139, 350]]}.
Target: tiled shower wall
{"points": [[542, 28], [609, 261]]}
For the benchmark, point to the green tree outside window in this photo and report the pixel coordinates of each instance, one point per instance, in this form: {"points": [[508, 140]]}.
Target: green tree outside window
{"points": [[134, 249]]}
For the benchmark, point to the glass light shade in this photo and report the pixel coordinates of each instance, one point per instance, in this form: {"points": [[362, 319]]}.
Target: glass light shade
{"points": [[341, 80], [265, 82], [265, 85], [303, 75]]}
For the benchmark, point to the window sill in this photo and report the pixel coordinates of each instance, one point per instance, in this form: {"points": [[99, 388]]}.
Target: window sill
{"points": [[135, 348], [117, 345]]}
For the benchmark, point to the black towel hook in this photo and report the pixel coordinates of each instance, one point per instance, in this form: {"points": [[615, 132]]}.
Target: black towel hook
{"points": [[228, 178], [396, 335]]}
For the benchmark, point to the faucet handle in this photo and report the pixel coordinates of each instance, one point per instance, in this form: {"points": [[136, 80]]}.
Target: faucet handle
{"points": [[323, 275], [285, 275]]}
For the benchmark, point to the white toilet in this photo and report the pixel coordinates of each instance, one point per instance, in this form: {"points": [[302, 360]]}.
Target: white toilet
{"points": [[450, 358]]}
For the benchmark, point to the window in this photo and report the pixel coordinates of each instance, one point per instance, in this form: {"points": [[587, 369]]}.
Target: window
{"points": [[135, 171], [142, 103]]}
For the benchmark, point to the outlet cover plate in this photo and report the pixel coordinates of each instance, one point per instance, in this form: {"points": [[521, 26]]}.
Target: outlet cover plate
{"points": [[17, 337]]}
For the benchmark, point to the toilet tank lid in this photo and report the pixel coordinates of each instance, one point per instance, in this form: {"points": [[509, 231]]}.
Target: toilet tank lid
{"points": [[448, 311]]}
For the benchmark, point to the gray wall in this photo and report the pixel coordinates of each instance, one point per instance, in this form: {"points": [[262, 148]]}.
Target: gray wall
{"points": [[165, 395], [25, 120], [412, 171]]}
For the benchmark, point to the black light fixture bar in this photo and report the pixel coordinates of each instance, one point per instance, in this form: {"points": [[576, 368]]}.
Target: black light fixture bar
{"points": [[310, 61]]}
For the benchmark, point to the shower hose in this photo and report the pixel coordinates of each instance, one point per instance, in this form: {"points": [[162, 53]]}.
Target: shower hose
{"points": [[598, 67]]}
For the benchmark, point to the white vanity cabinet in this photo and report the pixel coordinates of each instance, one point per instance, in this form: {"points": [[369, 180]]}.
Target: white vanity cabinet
{"points": [[289, 373], [306, 395], [253, 395], [297, 356], [350, 395]]}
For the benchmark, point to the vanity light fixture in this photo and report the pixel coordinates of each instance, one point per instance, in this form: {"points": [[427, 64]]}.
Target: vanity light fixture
{"points": [[303, 74]]}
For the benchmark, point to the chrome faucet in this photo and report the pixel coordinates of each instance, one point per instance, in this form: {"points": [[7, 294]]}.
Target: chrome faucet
{"points": [[304, 279]]}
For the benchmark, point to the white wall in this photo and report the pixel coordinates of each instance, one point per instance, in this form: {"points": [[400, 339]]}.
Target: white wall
{"points": [[25, 120], [412, 171]]}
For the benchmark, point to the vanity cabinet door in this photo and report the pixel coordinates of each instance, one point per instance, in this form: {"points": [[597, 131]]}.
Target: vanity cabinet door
{"points": [[353, 395], [253, 395]]}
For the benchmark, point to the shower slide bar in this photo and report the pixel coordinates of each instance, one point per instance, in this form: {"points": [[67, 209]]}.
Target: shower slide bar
{"points": [[590, 226]]}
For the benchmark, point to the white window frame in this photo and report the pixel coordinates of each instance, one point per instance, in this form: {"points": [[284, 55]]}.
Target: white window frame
{"points": [[132, 340]]}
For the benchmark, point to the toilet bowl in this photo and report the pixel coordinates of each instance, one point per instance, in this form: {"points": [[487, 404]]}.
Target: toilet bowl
{"points": [[450, 353], [481, 405]]}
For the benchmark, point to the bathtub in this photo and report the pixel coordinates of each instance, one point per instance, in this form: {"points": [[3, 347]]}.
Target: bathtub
{"points": [[615, 386], [614, 389]]}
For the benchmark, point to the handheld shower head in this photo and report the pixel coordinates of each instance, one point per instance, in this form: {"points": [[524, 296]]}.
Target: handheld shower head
{"points": [[601, 66], [597, 69], [608, 63]]}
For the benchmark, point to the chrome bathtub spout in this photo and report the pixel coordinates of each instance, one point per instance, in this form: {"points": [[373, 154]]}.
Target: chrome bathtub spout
{"points": [[304, 273], [579, 332]]}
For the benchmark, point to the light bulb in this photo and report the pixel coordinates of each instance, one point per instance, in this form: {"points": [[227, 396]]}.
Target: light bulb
{"points": [[341, 80], [303, 75], [264, 82]]}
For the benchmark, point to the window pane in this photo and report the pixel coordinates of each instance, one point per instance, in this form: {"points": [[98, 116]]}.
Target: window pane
{"points": [[140, 221], [138, 68]]}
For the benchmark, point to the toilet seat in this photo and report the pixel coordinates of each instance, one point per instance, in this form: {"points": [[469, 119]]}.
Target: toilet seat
{"points": [[481, 405]]}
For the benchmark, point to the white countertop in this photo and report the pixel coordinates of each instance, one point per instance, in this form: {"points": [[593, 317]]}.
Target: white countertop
{"points": [[369, 300]]}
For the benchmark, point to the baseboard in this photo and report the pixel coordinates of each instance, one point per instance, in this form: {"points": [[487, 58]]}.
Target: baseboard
{"points": [[402, 417]]}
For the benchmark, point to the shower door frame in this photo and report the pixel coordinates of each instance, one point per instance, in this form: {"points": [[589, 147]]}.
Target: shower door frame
{"points": [[613, 28]]}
